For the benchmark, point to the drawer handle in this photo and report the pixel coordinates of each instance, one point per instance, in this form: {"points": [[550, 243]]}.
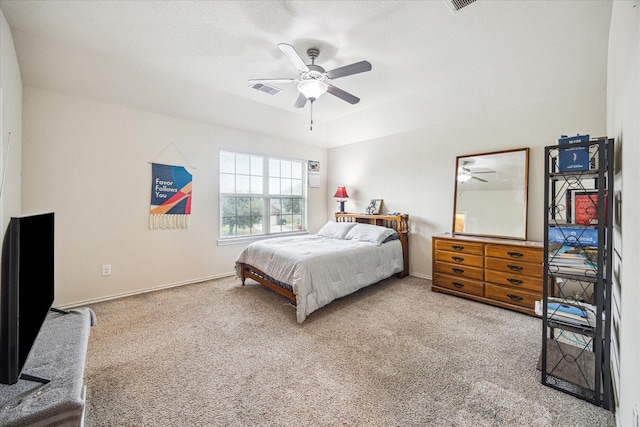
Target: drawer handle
{"points": [[515, 297], [457, 258], [458, 270], [457, 247], [457, 285], [514, 254], [514, 267], [514, 281]]}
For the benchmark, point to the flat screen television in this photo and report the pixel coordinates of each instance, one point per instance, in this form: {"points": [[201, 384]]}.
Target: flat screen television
{"points": [[26, 290]]}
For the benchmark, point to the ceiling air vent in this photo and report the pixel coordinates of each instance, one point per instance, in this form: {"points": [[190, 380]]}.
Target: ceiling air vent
{"points": [[456, 5], [266, 88]]}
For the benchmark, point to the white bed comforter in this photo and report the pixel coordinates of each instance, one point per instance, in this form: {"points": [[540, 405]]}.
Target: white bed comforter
{"points": [[322, 269]]}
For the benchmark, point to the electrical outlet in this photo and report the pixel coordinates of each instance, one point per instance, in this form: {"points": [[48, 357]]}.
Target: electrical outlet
{"points": [[106, 269]]}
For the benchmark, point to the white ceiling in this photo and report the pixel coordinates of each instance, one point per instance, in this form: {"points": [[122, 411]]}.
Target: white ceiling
{"points": [[192, 59]]}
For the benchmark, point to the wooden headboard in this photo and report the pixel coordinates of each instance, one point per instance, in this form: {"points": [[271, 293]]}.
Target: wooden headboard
{"points": [[399, 222]]}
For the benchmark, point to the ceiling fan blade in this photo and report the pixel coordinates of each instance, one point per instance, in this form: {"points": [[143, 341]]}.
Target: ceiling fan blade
{"points": [[479, 179], [482, 170], [300, 102], [293, 56], [283, 80], [345, 96], [347, 70]]}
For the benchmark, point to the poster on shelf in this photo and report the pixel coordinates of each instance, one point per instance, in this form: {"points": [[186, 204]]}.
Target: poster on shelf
{"points": [[573, 158]]}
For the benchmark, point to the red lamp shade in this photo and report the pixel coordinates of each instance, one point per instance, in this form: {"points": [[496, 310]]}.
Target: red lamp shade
{"points": [[341, 193]]}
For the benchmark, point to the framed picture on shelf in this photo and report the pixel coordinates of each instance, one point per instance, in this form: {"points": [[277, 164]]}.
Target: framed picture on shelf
{"points": [[374, 207], [582, 206]]}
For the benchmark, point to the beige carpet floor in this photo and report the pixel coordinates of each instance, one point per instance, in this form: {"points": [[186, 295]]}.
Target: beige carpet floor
{"points": [[393, 354]]}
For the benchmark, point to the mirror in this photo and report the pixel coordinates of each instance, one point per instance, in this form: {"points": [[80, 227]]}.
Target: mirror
{"points": [[491, 194]]}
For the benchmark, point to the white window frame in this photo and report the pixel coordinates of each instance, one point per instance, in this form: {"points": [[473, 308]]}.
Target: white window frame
{"points": [[250, 182]]}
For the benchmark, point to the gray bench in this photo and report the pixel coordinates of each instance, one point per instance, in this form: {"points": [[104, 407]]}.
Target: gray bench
{"points": [[58, 354]]}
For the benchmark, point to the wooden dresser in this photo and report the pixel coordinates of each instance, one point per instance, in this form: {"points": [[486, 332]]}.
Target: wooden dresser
{"points": [[506, 273]]}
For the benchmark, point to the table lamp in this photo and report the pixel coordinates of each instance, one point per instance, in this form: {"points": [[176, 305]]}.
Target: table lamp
{"points": [[341, 195]]}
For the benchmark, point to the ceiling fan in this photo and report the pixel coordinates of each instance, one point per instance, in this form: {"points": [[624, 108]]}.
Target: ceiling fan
{"points": [[313, 80], [465, 174]]}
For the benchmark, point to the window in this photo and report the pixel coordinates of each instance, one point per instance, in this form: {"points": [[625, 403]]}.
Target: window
{"points": [[260, 195]]}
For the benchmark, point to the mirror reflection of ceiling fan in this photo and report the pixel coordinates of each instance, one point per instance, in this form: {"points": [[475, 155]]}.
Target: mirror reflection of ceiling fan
{"points": [[313, 80], [465, 173]]}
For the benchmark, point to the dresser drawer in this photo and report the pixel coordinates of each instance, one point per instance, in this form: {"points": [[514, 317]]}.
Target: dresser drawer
{"points": [[459, 284], [460, 270], [460, 258], [519, 253], [514, 266], [472, 248], [514, 280], [513, 296]]}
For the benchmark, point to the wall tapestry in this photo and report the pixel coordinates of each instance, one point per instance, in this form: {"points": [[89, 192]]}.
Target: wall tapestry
{"points": [[170, 196]]}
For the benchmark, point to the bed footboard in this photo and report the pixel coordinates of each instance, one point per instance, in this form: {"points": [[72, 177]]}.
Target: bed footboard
{"points": [[284, 289]]}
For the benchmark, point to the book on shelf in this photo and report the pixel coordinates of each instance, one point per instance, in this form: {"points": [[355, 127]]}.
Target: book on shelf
{"points": [[573, 158], [587, 271], [567, 310], [573, 256], [572, 236], [576, 313], [573, 251], [573, 260], [593, 152]]}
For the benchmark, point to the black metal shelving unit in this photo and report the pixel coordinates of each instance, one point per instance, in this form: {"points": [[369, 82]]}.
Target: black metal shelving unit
{"points": [[576, 304]]}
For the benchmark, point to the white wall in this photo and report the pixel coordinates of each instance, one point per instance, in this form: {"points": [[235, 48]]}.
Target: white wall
{"points": [[10, 121], [415, 172], [623, 123], [89, 163]]}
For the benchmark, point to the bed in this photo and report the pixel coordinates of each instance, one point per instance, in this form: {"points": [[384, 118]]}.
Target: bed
{"points": [[350, 253]]}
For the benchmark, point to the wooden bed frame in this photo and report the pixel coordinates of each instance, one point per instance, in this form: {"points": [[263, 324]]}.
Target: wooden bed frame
{"points": [[399, 222]]}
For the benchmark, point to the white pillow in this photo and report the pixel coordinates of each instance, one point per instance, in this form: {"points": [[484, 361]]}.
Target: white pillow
{"points": [[336, 230], [375, 234]]}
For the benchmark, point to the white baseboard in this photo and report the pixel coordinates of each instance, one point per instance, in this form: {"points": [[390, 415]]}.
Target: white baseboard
{"points": [[141, 291], [421, 276]]}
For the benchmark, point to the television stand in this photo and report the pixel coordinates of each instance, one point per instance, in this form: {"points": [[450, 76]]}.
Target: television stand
{"points": [[57, 310], [35, 379], [59, 353]]}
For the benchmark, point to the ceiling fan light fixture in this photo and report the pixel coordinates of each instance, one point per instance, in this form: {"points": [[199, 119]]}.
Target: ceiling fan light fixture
{"points": [[464, 176], [312, 89]]}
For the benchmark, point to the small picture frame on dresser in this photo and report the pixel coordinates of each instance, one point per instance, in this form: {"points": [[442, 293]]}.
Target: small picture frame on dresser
{"points": [[460, 222], [374, 207]]}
